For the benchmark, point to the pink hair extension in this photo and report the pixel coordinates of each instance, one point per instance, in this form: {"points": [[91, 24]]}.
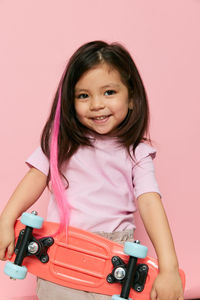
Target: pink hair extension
{"points": [[56, 181]]}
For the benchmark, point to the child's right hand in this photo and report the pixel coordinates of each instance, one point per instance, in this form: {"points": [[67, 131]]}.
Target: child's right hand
{"points": [[7, 240]]}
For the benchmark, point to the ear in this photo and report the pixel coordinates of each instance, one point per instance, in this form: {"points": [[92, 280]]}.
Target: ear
{"points": [[130, 104]]}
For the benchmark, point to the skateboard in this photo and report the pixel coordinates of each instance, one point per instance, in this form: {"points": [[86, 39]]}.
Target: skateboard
{"points": [[82, 260]]}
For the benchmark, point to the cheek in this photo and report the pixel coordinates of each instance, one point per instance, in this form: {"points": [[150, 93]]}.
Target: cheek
{"points": [[78, 109], [121, 109]]}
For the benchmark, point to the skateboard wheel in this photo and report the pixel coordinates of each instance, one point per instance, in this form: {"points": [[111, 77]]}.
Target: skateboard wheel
{"points": [[117, 297], [136, 250], [32, 220], [15, 271]]}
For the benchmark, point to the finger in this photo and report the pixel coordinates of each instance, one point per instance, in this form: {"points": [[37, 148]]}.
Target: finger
{"points": [[153, 294], [10, 250], [2, 254]]}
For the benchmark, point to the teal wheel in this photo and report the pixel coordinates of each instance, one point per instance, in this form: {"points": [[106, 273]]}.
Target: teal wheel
{"points": [[15, 271], [136, 250], [32, 220], [117, 297]]}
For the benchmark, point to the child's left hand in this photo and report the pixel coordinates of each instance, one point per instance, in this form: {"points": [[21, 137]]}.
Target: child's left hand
{"points": [[167, 286]]}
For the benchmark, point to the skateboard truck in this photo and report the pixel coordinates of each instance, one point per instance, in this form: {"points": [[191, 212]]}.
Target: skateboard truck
{"points": [[119, 271], [28, 245], [129, 275]]}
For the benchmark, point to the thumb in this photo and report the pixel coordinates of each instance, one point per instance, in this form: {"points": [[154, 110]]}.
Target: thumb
{"points": [[153, 294]]}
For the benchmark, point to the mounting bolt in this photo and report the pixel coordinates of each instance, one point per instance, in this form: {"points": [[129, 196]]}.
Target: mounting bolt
{"points": [[114, 259], [34, 212], [33, 247], [137, 242], [143, 268], [110, 279], [120, 273], [138, 288], [44, 259], [50, 241]]}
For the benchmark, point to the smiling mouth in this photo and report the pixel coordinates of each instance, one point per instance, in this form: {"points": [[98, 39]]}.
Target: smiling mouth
{"points": [[100, 119]]}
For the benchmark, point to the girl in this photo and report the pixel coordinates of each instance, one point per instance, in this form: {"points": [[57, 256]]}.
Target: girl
{"points": [[94, 156]]}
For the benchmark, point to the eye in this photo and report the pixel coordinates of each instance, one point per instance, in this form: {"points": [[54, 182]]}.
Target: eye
{"points": [[82, 96], [110, 92]]}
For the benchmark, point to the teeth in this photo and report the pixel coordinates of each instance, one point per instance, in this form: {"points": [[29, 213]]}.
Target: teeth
{"points": [[100, 118]]}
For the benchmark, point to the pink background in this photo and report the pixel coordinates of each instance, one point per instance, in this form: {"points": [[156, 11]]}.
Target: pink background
{"points": [[37, 37]]}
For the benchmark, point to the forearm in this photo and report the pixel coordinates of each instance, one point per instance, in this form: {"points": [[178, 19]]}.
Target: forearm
{"points": [[157, 227], [25, 195]]}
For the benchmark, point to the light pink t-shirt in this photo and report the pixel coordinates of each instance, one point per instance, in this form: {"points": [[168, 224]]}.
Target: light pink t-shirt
{"points": [[103, 184]]}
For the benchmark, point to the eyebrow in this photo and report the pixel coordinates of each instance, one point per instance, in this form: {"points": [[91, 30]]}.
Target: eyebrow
{"points": [[102, 87]]}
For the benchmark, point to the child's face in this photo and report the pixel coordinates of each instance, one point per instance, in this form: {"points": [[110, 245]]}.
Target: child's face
{"points": [[101, 99]]}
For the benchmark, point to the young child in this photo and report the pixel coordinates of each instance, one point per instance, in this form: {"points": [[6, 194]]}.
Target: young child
{"points": [[94, 159]]}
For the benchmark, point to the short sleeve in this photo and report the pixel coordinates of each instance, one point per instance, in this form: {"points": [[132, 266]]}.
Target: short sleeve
{"points": [[39, 161], [144, 180]]}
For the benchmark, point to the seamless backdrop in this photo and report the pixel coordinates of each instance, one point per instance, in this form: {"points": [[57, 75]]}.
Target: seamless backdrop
{"points": [[37, 38]]}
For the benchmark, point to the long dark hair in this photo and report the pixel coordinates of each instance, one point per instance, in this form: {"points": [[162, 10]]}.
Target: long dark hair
{"points": [[72, 133], [63, 133]]}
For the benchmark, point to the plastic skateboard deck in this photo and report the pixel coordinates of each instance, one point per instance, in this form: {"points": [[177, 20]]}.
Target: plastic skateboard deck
{"points": [[86, 262]]}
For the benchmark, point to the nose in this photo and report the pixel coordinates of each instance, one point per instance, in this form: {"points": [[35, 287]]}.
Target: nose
{"points": [[96, 103]]}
